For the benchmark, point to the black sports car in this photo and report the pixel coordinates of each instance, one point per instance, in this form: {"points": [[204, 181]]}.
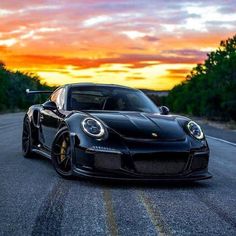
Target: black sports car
{"points": [[114, 132]]}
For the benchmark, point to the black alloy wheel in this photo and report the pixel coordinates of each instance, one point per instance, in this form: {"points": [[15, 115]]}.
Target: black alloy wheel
{"points": [[62, 153], [26, 139]]}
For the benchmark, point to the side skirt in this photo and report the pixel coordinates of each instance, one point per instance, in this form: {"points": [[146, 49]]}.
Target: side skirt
{"points": [[42, 153]]}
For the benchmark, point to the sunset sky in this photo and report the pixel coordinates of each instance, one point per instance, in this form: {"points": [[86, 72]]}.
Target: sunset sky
{"points": [[139, 43]]}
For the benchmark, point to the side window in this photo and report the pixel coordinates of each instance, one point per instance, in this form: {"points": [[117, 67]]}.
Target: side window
{"points": [[58, 98], [61, 99], [54, 96]]}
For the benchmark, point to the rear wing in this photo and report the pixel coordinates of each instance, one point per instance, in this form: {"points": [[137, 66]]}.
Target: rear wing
{"points": [[29, 92]]}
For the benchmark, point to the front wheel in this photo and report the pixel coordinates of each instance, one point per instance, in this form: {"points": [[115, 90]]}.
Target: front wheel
{"points": [[62, 153]]}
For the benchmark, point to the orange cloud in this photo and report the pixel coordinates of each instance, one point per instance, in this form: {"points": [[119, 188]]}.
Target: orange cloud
{"points": [[131, 60], [112, 71], [3, 49], [178, 71]]}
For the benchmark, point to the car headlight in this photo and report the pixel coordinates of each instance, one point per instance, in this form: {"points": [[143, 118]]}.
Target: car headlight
{"points": [[195, 130], [93, 127]]}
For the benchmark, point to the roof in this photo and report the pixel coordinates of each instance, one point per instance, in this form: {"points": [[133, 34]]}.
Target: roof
{"points": [[99, 85]]}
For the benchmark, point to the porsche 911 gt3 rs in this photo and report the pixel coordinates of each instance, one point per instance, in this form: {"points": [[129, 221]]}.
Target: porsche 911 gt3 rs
{"points": [[114, 132]]}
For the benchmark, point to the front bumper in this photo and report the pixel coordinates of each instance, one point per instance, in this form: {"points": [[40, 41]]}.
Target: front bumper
{"points": [[116, 165]]}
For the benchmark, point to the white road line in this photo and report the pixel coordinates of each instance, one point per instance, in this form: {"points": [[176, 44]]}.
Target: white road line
{"points": [[221, 140]]}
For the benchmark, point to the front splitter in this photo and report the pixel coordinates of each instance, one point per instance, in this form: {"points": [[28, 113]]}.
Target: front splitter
{"points": [[124, 176]]}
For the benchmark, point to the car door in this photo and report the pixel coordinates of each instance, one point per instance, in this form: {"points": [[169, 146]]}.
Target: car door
{"points": [[51, 119]]}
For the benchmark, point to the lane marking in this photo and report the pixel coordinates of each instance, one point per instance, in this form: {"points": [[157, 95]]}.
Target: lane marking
{"points": [[110, 215], [221, 140], [155, 216]]}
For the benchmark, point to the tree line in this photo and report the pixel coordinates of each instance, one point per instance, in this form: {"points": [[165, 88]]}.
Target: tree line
{"points": [[13, 86], [210, 88]]}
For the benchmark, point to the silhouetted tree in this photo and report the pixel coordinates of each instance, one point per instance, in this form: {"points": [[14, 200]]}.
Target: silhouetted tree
{"points": [[210, 88], [13, 86]]}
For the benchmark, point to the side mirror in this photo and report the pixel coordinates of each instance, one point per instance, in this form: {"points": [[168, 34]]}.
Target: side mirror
{"points": [[49, 105], [164, 110]]}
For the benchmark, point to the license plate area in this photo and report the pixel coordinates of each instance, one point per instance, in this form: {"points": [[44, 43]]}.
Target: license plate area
{"points": [[107, 161]]}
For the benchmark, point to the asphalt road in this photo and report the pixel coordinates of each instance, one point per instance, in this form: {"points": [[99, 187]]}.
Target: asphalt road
{"points": [[34, 200]]}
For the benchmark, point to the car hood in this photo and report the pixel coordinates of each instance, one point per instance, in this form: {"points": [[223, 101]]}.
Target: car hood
{"points": [[140, 125]]}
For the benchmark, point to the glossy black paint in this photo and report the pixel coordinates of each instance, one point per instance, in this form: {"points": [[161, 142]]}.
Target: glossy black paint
{"points": [[133, 138]]}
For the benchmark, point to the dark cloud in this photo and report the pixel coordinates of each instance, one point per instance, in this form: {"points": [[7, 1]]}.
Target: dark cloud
{"points": [[228, 8], [136, 48], [150, 38], [186, 52], [219, 26]]}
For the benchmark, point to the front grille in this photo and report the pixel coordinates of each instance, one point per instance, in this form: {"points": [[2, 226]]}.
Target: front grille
{"points": [[161, 163]]}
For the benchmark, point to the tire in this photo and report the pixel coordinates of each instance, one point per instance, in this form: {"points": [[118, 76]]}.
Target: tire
{"points": [[27, 139], [62, 153]]}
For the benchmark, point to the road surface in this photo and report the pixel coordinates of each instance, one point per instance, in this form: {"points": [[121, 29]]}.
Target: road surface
{"points": [[34, 200]]}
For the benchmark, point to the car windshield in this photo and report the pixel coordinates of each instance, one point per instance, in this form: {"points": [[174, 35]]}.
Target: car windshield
{"points": [[109, 99]]}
